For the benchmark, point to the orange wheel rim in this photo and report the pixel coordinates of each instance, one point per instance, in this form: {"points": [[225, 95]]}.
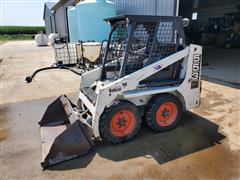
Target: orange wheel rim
{"points": [[166, 114], [122, 123]]}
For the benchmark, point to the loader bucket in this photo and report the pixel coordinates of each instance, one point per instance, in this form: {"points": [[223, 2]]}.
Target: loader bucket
{"points": [[55, 113], [63, 135]]}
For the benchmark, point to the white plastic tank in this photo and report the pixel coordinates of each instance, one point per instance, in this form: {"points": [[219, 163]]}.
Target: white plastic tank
{"points": [[52, 37], [90, 15], [72, 24], [91, 50], [41, 39]]}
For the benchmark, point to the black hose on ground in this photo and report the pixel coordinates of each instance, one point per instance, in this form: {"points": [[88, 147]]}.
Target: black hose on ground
{"points": [[29, 79]]}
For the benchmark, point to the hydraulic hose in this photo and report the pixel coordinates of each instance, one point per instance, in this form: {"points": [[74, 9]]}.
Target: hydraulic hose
{"points": [[29, 79]]}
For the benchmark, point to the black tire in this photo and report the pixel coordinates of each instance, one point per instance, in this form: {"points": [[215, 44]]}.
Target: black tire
{"points": [[105, 126], [152, 110]]}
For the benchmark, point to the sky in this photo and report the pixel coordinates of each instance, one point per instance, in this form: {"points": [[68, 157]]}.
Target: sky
{"points": [[22, 12]]}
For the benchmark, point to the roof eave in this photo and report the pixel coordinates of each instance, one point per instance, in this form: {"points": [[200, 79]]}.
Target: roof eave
{"points": [[59, 3], [44, 11]]}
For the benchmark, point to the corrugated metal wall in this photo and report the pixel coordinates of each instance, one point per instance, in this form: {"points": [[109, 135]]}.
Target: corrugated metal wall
{"points": [[61, 18], [61, 22], [50, 25], [49, 21], [147, 7]]}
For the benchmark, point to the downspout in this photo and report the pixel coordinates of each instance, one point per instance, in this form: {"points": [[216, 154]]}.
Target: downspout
{"points": [[156, 4], [54, 18], [51, 23], [54, 15], [177, 7], [67, 23]]}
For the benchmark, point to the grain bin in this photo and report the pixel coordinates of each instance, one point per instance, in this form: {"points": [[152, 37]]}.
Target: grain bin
{"points": [[72, 24], [90, 14]]}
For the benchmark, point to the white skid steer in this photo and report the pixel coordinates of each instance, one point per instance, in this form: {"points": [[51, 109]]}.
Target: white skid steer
{"points": [[148, 73]]}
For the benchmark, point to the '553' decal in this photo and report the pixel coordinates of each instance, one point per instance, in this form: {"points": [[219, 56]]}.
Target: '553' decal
{"points": [[197, 61]]}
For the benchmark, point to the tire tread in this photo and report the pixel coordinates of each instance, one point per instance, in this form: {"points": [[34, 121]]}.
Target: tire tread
{"points": [[150, 113], [106, 117]]}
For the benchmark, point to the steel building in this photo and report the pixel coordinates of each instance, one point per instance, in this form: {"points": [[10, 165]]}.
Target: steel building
{"points": [[215, 22], [60, 10], [49, 18], [215, 25], [147, 7], [207, 9], [143, 7], [202, 13]]}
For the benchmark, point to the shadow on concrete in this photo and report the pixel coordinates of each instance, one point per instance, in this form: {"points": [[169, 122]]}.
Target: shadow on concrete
{"points": [[193, 134]]}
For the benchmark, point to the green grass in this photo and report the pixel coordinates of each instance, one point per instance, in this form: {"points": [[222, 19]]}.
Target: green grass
{"points": [[15, 37], [16, 30], [13, 33]]}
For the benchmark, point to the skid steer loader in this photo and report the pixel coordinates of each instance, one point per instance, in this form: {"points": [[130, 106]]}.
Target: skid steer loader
{"points": [[148, 74]]}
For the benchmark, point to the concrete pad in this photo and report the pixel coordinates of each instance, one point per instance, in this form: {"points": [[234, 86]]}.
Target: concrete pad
{"points": [[20, 59], [192, 147], [222, 64], [205, 145]]}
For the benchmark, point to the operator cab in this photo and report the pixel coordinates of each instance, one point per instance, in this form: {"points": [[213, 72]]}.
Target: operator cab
{"points": [[138, 41]]}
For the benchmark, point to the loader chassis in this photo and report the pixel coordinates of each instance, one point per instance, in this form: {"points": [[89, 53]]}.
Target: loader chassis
{"points": [[147, 71], [138, 66]]}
